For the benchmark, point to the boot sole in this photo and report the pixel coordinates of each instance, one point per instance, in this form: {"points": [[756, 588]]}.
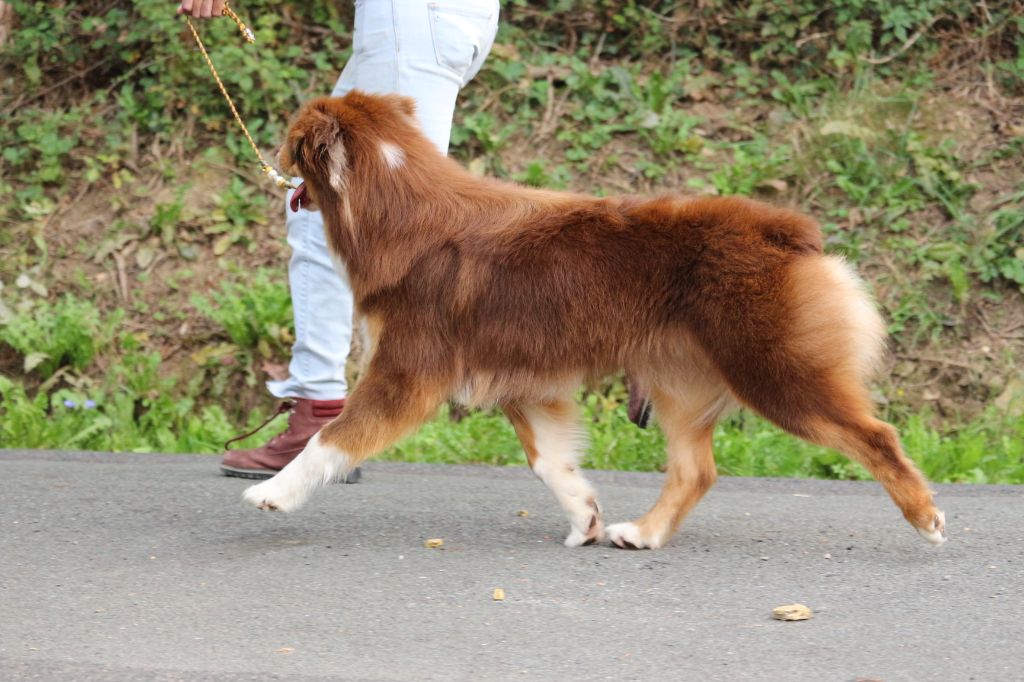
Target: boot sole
{"points": [[263, 474]]}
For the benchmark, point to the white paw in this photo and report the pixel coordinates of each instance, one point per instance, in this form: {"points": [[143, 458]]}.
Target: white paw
{"points": [[628, 536], [585, 520], [317, 465], [594, 532], [935, 532], [274, 495]]}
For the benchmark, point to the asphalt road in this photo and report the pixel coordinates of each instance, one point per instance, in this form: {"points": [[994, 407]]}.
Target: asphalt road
{"points": [[149, 567]]}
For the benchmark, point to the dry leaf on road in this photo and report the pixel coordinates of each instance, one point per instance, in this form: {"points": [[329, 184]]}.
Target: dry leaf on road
{"points": [[792, 612]]}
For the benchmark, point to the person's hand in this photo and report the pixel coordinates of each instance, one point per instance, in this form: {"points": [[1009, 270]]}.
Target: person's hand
{"points": [[201, 9]]}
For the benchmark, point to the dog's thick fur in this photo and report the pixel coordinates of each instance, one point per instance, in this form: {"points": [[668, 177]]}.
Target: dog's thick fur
{"points": [[491, 293]]}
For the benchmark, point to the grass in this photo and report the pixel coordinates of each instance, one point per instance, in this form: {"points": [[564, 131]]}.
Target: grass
{"points": [[990, 450], [143, 293]]}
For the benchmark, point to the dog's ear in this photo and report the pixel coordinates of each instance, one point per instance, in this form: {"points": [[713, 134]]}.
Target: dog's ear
{"points": [[315, 144], [323, 130]]}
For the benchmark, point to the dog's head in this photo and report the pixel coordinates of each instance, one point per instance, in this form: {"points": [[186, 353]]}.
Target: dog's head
{"points": [[331, 138]]}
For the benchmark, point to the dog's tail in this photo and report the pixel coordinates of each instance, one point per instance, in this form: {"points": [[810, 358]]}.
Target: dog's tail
{"points": [[804, 353], [834, 324]]}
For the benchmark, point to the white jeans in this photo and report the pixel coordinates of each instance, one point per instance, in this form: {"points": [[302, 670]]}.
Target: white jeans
{"points": [[427, 51]]}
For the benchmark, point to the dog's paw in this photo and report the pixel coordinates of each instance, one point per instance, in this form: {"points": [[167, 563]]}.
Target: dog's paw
{"points": [[587, 524], [594, 533], [271, 495], [935, 531], [629, 536]]}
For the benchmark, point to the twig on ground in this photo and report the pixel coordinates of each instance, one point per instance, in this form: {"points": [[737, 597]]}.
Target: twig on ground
{"points": [[596, 56], [666, 19], [6, 17], [814, 36], [937, 361], [906, 45], [122, 270]]}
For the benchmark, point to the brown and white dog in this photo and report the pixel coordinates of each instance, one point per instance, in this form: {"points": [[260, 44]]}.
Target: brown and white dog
{"points": [[496, 294]]}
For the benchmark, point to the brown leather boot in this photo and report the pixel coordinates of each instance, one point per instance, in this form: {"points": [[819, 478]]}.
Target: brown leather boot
{"points": [[305, 419]]}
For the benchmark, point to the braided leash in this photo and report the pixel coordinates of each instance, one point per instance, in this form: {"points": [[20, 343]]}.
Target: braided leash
{"points": [[250, 37]]}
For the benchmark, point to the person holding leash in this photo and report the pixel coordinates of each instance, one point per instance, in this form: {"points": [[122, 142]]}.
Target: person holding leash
{"points": [[417, 48]]}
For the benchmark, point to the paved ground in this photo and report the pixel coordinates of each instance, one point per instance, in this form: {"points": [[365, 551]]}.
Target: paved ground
{"points": [[148, 567]]}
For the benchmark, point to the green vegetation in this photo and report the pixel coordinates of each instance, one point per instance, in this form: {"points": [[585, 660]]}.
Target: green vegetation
{"points": [[988, 450], [143, 294]]}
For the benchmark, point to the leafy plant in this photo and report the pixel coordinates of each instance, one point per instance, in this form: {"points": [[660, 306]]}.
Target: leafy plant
{"points": [[755, 164], [52, 335], [256, 314], [238, 209], [1000, 252]]}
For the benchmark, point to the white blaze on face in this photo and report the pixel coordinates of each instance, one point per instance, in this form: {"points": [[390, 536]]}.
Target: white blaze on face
{"points": [[393, 155]]}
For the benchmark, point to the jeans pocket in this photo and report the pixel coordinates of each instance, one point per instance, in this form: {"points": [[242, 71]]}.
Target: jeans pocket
{"points": [[459, 36]]}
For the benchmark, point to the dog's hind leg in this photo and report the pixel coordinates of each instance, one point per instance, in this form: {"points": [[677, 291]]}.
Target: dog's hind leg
{"points": [[876, 445], [808, 374], [553, 440], [842, 419], [688, 419], [384, 406]]}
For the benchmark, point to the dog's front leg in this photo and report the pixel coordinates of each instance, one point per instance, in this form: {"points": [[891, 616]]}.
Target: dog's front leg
{"points": [[384, 406], [554, 441]]}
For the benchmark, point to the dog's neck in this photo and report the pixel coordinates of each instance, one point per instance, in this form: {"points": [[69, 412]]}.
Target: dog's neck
{"points": [[383, 220]]}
